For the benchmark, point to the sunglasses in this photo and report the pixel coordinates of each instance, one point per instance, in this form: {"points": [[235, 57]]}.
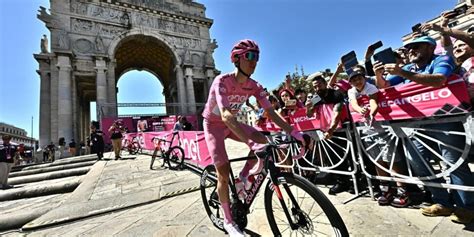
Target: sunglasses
{"points": [[413, 46], [251, 56], [285, 95]]}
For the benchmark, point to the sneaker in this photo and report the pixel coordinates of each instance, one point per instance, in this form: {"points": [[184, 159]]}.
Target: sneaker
{"points": [[338, 188], [386, 197], [462, 216], [436, 210], [401, 199], [6, 186], [232, 229]]}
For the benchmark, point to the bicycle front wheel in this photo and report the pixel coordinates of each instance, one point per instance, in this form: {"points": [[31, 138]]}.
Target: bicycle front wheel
{"points": [[309, 213], [210, 199], [175, 157]]}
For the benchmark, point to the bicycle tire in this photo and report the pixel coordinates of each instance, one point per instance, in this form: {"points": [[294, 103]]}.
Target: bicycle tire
{"points": [[133, 150], [153, 157], [335, 227], [208, 187], [175, 157]]}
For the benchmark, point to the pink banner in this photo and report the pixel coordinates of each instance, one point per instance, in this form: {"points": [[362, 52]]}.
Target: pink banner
{"points": [[321, 118], [413, 100], [192, 142]]}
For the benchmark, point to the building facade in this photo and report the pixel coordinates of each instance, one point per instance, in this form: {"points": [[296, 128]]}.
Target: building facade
{"points": [[461, 22], [94, 42], [19, 135]]}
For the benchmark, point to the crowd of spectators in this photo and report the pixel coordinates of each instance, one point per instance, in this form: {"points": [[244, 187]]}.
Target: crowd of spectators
{"points": [[416, 61]]}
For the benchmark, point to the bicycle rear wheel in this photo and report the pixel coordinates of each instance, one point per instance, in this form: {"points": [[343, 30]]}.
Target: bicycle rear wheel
{"points": [[175, 157], [311, 213], [134, 148], [210, 199]]}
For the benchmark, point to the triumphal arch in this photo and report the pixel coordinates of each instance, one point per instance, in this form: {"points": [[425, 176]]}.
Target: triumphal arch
{"points": [[93, 42]]}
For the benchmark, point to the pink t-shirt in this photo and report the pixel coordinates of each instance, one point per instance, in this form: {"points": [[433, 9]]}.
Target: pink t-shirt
{"points": [[468, 76], [227, 92]]}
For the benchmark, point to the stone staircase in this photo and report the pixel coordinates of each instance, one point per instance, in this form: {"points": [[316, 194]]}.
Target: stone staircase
{"points": [[40, 188]]}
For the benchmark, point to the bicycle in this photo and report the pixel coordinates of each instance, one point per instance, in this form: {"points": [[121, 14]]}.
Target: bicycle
{"points": [[132, 147], [172, 155], [289, 199]]}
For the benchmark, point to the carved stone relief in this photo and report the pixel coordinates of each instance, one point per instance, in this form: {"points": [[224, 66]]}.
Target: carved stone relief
{"points": [[95, 28], [157, 23], [211, 46], [153, 4], [197, 60], [137, 18], [62, 40], [83, 46], [99, 44], [183, 42]]}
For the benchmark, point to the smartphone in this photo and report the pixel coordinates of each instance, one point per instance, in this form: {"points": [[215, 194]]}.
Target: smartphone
{"points": [[315, 99], [416, 28], [385, 56], [290, 103], [376, 45], [349, 60], [460, 10]]}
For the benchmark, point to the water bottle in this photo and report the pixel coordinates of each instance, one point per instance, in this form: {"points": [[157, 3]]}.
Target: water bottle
{"points": [[239, 187]]}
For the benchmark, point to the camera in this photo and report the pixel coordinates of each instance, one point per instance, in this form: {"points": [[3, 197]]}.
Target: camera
{"points": [[458, 11], [417, 29]]}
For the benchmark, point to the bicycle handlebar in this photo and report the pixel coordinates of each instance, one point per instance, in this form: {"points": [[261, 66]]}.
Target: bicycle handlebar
{"points": [[273, 145]]}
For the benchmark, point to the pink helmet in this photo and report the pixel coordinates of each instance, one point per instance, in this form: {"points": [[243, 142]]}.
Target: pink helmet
{"points": [[242, 47]]}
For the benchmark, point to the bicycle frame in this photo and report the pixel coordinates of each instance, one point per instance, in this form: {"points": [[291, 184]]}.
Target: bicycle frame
{"points": [[269, 170], [165, 142]]}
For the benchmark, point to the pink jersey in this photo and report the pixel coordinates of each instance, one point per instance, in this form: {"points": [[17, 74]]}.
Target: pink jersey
{"points": [[227, 92]]}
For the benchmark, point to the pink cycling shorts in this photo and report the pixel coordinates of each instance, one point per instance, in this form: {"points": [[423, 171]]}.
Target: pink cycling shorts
{"points": [[216, 133]]}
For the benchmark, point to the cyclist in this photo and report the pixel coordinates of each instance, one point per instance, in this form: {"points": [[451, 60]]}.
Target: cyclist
{"points": [[226, 96]]}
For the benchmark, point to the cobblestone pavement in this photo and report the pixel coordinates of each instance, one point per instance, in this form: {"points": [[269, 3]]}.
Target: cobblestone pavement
{"points": [[184, 215]]}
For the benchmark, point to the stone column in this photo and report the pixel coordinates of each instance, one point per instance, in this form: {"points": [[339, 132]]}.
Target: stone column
{"points": [[65, 128], [54, 125], [111, 89], [101, 88], [210, 78], [190, 91], [45, 104], [181, 90]]}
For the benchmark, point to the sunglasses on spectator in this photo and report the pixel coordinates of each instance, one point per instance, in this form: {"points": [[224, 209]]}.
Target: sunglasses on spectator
{"points": [[413, 46], [285, 95], [251, 56]]}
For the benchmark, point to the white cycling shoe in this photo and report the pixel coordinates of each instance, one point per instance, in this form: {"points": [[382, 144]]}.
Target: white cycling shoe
{"points": [[233, 229]]}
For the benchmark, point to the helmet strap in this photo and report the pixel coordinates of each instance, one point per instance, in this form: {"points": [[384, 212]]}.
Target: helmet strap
{"points": [[237, 64]]}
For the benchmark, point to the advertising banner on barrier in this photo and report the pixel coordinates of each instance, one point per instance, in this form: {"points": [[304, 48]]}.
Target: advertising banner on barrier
{"points": [[321, 118], [192, 142], [413, 100], [146, 124]]}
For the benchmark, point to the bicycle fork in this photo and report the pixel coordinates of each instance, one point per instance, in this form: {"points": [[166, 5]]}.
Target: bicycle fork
{"points": [[276, 188]]}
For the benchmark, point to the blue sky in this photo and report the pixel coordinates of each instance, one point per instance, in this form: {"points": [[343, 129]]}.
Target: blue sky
{"points": [[309, 33]]}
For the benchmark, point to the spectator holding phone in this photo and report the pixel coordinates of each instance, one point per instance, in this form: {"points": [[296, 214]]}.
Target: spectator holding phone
{"points": [[300, 95], [324, 95], [396, 197], [289, 102], [429, 69], [361, 87], [327, 96], [447, 32]]}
